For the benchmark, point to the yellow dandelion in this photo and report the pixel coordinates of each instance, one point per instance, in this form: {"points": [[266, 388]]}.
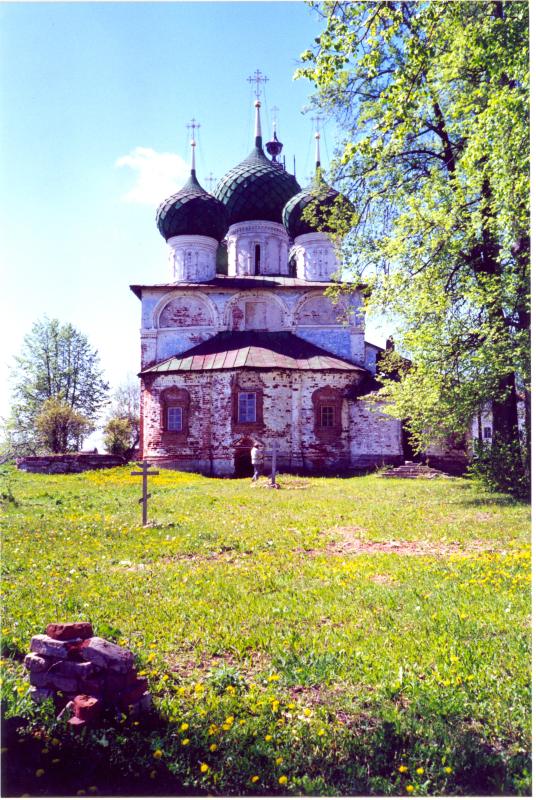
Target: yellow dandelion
{"points": [[255, 778], [402, 768], [274, 677], [308, 712], [213, 747], [283, 779], [225, 727], [158, 754], [212, 729], [420, 771], [203, 767], [410, 788], [184, 726], [322, 732], [55, 742], [279, 760], [185, 742], [448, 770], [268, 738], [229, 720]]}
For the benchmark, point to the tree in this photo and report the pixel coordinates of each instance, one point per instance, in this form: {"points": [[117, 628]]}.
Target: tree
{"points": [[432, 99], [58, 364], [61, 429], [122, 429]]}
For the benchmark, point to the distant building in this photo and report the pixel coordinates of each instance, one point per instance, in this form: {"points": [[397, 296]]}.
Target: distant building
{"points": [[242, 344]]}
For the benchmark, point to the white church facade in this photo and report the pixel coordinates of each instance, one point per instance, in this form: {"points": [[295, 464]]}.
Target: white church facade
{"points": [[253, 349]]}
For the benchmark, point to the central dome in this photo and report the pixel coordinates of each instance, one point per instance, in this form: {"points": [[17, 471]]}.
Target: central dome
{"points": [[256, 189]]}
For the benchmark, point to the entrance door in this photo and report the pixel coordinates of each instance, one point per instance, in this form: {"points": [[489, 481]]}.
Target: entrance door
{"points": [[242, 461]]}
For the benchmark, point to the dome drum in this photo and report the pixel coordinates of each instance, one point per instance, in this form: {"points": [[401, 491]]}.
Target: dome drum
{"points": [[316, 259], [192, 258], [257, 248]]}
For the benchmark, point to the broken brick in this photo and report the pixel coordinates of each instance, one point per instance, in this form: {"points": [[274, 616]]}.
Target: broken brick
{"points": [[63, 631], [86, 707]]}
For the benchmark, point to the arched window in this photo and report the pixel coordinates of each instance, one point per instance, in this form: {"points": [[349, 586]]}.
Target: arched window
{"points": [[257, 259]]}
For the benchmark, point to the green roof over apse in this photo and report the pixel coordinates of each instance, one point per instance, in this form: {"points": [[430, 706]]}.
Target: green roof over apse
{"points": [[256, 189]]}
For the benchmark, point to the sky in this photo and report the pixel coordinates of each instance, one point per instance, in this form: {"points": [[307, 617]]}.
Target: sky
{"points": [[94, 103]]}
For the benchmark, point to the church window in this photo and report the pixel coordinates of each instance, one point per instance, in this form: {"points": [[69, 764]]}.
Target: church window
{"points": [[327, 416], [487, 433], [257, 259], [175, 405], [247, 407], [327, 407], [174, 418]]}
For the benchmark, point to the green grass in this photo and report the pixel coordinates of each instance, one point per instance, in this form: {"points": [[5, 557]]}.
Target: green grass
{"points": [[371, 671]]}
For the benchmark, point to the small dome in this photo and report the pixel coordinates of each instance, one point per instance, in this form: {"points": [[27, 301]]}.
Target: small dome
{"points": [[319, 196], [256, 189], [192, 211]]}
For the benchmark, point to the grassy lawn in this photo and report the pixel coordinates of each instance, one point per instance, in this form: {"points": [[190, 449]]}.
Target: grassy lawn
{"points": [[339, 636]]}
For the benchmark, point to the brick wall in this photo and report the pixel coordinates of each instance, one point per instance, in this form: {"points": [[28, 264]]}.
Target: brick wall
{"points": [[214, 442], [70, 462]]}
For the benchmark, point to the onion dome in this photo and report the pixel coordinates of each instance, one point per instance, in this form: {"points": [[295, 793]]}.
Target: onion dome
{"points": [[192, 211], [257, 188], [318, 196]]}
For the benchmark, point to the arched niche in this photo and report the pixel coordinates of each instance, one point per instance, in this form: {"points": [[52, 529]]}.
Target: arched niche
{"points": [[185, 310], [317, 308], [256, 311]]}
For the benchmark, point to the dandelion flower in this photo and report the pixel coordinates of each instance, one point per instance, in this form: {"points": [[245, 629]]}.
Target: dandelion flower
{"points": [[267, 738], [254, 779], [185, 742], [283, 779], [184, 726], [410, 788], [402, 768], [420, 771], [308, 712], [322, 732], [274, 677], [204, 767], [448, 770], [55, 742], [229, 720], [279, 760], [213, 747], [158, 754]]}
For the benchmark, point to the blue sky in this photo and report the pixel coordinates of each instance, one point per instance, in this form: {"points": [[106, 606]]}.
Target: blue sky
{"points": [[94, 101]]}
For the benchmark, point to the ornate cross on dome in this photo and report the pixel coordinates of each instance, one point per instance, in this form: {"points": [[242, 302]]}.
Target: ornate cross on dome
{"points": [[193, 125], [210, 181], [258, 78]]}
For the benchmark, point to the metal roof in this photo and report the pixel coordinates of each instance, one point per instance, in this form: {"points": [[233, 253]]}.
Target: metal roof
{"points": [[256, 350], [240, 283]]}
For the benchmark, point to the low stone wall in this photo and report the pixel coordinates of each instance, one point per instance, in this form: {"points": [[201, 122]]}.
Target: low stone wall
{"points": [[69, 462]]}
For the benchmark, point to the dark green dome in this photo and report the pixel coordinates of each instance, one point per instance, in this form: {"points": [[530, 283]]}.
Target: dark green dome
{"points": [[256, 189], [192, 211], [322, 198]]}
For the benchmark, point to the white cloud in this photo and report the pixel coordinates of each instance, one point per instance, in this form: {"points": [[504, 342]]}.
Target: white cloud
{"points": [[157, 175]]}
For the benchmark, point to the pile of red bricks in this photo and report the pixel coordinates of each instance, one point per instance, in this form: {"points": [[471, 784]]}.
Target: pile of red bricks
{"points": [[90, 673]]}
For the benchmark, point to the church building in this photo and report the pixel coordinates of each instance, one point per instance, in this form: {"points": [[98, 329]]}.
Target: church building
{"points": [[241, 344]]}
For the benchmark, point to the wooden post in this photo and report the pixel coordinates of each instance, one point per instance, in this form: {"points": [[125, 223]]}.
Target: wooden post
{"points": [[145, 466], [274, 462]]}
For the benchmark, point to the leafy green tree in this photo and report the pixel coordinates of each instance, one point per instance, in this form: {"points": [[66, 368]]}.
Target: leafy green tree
{"points": [[60, 428], [432, 99], [57, 363], [122, 429]]}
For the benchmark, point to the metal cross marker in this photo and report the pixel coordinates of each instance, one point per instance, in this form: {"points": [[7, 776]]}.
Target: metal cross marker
{"points": [[193, 125], [258, 78], [317, 120], [145, 466], [210, 180]]}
